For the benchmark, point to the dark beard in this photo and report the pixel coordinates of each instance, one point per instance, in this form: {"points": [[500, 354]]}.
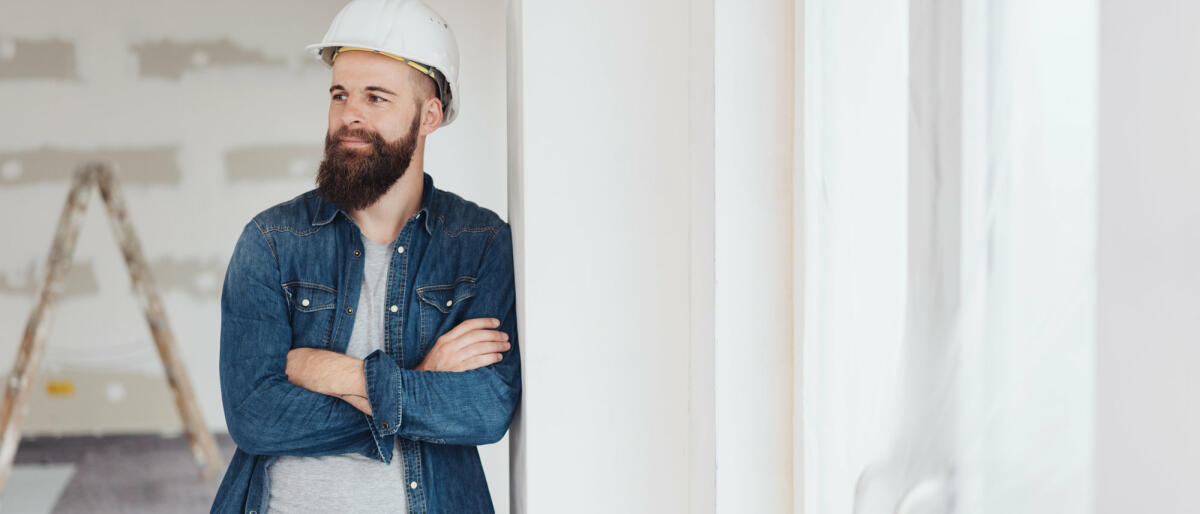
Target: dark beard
{"points": [[354, 180]]}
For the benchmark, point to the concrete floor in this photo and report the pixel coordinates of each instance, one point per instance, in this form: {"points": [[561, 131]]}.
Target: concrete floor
{"points": [[109, 474]]}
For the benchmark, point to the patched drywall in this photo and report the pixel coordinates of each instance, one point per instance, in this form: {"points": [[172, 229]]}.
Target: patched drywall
{"points": [[80, 280], [200, 278], [22, 58], [122, 402], [157, 164], [273, 162], [165, 58]]}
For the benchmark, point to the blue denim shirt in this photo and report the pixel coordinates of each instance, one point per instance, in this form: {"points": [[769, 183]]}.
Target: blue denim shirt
{"points": [[294, 282]]}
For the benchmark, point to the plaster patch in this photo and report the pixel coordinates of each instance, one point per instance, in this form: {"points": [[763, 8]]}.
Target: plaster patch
{"points": [[37, 59], [11, 170], [201, 278], [170, 59], [8, 48], [138, 403], [147, 165], [80, 280], [271, 162], [114, 391]]}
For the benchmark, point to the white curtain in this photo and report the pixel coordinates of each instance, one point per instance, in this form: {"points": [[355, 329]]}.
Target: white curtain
{"points": [[983, 404]]}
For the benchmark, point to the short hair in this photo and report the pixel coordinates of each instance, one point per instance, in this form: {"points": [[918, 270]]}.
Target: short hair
{"points": [[423, 86]]}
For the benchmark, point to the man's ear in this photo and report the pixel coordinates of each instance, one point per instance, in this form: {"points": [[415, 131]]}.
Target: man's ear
{"points": [[431, 116]]}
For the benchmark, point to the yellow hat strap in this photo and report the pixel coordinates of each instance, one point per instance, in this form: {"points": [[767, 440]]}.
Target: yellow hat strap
{"points": [[416, 65]]}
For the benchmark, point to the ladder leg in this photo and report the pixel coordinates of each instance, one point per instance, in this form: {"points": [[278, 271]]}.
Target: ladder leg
{"points": [[200, 439], [33, 343]]}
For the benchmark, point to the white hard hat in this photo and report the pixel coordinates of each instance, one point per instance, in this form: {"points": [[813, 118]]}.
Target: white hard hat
{"points": [[407, 30]]}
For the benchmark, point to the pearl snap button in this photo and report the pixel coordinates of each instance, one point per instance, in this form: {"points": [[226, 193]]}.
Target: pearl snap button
{"points": [[412, 485], [449, 303], [304, 302], [399, 249], [394, 308]]}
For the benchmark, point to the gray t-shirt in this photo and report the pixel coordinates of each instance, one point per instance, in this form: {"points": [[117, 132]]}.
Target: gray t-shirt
{"points": [[349, 482]]}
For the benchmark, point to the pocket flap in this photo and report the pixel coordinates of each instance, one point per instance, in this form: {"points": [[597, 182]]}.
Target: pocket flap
{"points": [[309, 297], [445, 297]]}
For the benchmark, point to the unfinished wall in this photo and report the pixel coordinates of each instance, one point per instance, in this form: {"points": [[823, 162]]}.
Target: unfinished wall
{"points": [[212, 112]]}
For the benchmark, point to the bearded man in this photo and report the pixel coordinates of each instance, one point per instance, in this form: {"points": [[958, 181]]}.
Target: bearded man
{"points": [[368, 327]]}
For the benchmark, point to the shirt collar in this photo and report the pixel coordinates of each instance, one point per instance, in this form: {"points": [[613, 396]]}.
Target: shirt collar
{"points": [[426, 210], [326, 210]]}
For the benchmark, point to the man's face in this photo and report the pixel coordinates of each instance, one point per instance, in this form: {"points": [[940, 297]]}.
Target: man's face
{"points": [[374, 127]]}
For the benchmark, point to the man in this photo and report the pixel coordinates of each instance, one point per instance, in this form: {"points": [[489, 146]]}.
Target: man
{"points": [[368, 328]]}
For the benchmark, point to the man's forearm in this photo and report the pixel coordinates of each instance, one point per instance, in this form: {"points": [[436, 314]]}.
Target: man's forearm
{"points": [[329, 373]]}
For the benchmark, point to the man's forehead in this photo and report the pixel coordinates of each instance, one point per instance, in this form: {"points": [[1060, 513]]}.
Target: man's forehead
{"points": [[359, 66]]}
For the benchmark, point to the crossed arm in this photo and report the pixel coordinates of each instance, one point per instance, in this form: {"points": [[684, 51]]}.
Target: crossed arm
{"points": [[280, 401], [472, 344]]}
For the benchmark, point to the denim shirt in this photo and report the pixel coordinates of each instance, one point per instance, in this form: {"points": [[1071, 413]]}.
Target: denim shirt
{"points": [[294, 282]]}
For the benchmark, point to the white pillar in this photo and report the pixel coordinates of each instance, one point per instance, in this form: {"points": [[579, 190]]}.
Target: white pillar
{"points": [[650, 181], [600, 199], [753, 154]]}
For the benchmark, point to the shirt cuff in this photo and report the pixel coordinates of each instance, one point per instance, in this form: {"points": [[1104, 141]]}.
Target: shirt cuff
{"points": [[384, 391]]}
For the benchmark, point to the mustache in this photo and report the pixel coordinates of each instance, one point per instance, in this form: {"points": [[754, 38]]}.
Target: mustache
{"points": [[331, 140]]}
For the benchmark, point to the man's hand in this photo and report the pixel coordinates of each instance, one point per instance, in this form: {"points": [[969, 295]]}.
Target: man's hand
{"points": [[329, 373], [472, 344]]}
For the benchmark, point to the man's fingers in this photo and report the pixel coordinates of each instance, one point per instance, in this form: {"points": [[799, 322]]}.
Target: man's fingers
{"points": [[477, 336], [472, 344], [469, 325], [480, 361], [483, 348]]}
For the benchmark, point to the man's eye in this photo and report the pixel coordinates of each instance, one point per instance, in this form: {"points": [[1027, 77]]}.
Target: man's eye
{"points": [[378, 99], [339, 97]]}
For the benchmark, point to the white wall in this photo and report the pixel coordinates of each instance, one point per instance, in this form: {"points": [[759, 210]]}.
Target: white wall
{"points": [[1147, 412]]}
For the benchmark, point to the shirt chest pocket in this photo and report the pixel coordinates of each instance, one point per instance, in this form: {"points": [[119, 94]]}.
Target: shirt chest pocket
{"points": [[313, 307], [442, 307]]}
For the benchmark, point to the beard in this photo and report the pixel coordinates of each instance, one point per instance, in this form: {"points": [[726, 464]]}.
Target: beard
{"points": [[354, 179]]}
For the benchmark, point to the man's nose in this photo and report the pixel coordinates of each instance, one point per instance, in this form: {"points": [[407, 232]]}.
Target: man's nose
{"points": [[352, 112]]}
